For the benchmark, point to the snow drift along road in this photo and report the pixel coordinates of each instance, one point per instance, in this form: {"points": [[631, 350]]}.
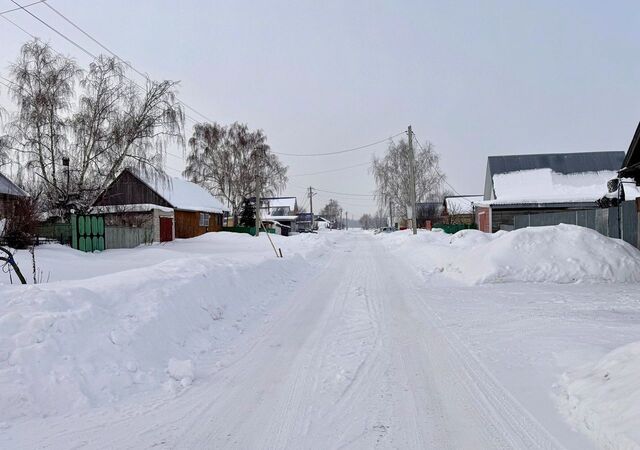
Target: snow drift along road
{"points": [[557, 254], [603, 399], [71, 345]]}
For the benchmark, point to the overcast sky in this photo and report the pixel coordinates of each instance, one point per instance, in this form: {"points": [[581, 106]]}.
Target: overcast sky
{"points": [[476, 78]]}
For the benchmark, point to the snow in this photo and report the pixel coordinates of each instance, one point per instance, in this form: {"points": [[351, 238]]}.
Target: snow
{"points": [[546, 186], [462, 205], [126, 318], [8, 187], [182, 371], [557, 254], [288, 203], [603, 399], [185, 195], [351, 340]]}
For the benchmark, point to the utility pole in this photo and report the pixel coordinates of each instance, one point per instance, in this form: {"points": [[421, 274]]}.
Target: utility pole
{"points": [[390, 214], [258, 187], [311, 194], [412, 164]]}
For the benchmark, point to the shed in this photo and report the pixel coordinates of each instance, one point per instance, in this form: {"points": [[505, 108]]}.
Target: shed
{"points": [[171, 207], [530, 184], [460, 208], [9, 195]]}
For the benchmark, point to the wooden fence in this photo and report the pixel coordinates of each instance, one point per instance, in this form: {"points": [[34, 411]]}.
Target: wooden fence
{"points": [[127, 237]]}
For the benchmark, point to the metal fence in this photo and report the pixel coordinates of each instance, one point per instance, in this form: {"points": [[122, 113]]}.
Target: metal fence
{"points": [[619, 222]]}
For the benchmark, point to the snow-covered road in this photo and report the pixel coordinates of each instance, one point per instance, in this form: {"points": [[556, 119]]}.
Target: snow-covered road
{"points": [[356, 356]]}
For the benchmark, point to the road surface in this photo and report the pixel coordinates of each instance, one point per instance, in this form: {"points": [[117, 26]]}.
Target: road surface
{"points": [[354, 358]]}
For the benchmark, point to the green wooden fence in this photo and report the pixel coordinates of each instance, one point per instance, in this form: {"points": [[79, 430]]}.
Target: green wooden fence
{"points": [[453, 228], [87, 233]]}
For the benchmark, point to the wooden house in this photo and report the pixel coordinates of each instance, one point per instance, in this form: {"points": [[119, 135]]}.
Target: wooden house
{"points": [[171, 208], [9, 195]]}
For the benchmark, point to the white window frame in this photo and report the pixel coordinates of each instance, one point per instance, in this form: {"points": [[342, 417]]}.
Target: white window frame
{"points": [[204, 219]]}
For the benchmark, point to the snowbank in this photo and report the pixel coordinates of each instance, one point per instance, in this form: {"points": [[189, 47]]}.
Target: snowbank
{"points": [[74, 344], [555, 254], [603, 400]]}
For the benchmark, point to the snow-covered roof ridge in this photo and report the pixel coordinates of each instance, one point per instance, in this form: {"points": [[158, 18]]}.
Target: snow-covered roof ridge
{"points": [[279, 202], [545, 185], [8, 187], [185, 195], [461, 204]]}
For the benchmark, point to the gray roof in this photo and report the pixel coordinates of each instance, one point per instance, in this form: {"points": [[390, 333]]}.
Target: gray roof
{"points": [[564, 163], [8, 187]]}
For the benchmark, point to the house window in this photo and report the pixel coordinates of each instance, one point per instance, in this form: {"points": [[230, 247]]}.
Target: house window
{"points": [[204, 220]]}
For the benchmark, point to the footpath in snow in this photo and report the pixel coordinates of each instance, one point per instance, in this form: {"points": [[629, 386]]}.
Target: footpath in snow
{"points": [[527, 339]]}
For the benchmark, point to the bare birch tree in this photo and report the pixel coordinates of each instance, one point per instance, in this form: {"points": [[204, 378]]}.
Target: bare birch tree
{"points": [[392, 176], [228, 161], [332, 211], [99, 121], [42, 87]]}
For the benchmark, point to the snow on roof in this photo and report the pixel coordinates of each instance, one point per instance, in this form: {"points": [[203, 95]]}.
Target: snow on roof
{"points": [[270, 217], [137, 207], [564, 163], [279, 202], [8, 187], [548, 186], [185, 195], [462, 204]]}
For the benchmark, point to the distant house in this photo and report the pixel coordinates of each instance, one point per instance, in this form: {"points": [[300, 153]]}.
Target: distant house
{"points": [[430, 211], [322, 223], [459, 208], [530, 184], [9, 195], [173, 208], [283, 210]]}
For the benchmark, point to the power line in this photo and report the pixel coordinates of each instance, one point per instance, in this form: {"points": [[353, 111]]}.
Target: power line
{"points": [[330, 171], [144, 75], [25, 6], [442, 176], [336, 193], [342, 151], [75, 44]]}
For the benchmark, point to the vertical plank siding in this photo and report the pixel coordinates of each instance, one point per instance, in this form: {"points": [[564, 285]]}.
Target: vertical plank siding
{"points": [[188, 224]]}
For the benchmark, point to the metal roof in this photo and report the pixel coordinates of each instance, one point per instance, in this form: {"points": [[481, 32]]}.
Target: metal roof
{"points": [[565, 163], [8, 187]]}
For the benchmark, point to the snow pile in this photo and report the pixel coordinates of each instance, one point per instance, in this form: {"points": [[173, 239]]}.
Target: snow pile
{"points": [[85, 342], [182, 371], [555, 254], [558, 254], [603, 400]]}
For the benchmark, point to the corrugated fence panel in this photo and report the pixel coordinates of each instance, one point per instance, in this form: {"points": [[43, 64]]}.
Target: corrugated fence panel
{"points": [[602, 221], [126, 237], [614, 226], [630, 223], [521, 221]]}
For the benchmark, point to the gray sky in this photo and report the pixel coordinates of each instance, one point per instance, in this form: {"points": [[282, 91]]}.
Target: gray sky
{"points": [[475, 78]]}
